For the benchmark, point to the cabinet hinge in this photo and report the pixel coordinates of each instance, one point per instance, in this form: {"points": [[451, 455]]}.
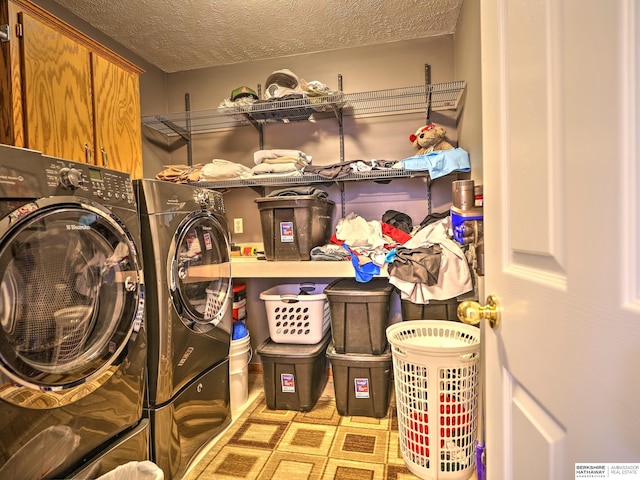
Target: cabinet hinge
{"points": [[19, 30], [4, 33]]}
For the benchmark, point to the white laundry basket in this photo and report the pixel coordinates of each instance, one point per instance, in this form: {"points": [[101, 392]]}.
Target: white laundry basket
{"points": [[435, 368], [297, 313]]}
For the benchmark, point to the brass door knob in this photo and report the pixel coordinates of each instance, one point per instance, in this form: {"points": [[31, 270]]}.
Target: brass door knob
{"points": [[472, 312]]}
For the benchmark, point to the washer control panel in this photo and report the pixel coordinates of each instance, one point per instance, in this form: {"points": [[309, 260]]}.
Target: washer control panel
{"points": [[29, 174], [100, 184], [111, 185]]}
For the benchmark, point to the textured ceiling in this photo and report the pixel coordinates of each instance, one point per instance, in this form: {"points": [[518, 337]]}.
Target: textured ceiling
{"points": [[189, 34]]}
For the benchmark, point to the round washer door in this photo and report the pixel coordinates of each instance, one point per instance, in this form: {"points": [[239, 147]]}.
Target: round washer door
{"points": [[200, 271], [71, 296]]}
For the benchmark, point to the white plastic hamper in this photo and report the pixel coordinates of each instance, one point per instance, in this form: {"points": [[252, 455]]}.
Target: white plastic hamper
{"points": [[435, 368], [297, 313]]}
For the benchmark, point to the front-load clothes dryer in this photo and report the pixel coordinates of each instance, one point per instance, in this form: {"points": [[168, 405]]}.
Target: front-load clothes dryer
{"points": [[72, 340], [186, 255]]}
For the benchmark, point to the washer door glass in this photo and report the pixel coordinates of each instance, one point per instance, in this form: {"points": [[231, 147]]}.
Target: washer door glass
{"points": [[200, 271], [70, 285]]}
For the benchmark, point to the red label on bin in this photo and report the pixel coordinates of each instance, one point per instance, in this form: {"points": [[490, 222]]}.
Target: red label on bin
{"points": [[288, 382], [286, 232], [362, 387]]}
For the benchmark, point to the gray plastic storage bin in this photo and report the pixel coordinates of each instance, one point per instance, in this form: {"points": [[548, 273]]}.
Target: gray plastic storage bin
{"points": [[293, 225], [362, 383], [434, 310], [294, 375], [359, 314]]}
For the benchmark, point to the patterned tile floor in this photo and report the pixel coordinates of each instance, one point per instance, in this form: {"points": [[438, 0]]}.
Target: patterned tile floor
{"points": [[316, 445]]}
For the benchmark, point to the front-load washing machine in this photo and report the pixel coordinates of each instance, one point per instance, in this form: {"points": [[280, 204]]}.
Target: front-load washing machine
{"points": [[187, 266], [72, 340]]}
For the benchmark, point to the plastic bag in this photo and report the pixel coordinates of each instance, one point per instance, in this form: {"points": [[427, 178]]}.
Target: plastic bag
{"points": [[145, 470]]}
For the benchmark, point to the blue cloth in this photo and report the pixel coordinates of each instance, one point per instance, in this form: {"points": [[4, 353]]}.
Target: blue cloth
{"points": [[391, 256], [365, 272], [239, 330], [439, 163]]}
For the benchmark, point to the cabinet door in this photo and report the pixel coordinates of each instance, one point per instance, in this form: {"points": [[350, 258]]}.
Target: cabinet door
{"points": [[56, 92], [11, 130], [117, 117]]}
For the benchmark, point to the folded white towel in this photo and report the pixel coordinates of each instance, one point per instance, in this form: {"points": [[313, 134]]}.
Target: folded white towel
{"points": [[274, 168], [261, 155], [218, 169], [295, 173]]}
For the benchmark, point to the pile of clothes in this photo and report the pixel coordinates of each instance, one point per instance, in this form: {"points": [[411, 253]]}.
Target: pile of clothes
{"points": [[286, 162], [180, 173], [423, 262], [280, 162]]}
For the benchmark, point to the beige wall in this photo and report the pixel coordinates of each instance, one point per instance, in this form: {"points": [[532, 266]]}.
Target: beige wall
{"points": [[468, 68], [363, 69], [384, 137]]}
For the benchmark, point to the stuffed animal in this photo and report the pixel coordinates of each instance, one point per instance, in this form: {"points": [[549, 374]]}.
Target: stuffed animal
{"points": [[430, 138]]}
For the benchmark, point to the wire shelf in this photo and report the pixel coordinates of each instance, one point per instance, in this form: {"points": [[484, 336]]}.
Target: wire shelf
{"points": [[307, 179], [439, 96]]}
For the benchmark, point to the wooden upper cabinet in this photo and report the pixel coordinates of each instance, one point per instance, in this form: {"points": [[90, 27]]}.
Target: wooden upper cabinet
{"points": [[116, 102], [56, 80], [65, 95]]}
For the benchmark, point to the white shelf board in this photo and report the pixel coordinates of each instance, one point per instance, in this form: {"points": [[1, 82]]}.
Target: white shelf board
{"points": [[251, 267]]}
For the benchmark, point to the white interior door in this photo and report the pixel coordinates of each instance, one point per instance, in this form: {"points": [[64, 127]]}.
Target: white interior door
{"points": [[561, 179]]}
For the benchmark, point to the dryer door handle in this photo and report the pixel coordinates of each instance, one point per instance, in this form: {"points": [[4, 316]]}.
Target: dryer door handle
{"points": [[182, 272], [172, 280], [130, 284]]}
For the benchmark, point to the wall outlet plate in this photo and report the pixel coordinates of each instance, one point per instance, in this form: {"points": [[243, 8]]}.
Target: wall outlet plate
{"points": [[237, 225]]}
